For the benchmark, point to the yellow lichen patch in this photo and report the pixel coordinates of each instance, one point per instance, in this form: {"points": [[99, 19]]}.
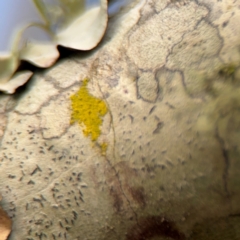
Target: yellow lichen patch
{"points": [[104, 148], [88, 111]]}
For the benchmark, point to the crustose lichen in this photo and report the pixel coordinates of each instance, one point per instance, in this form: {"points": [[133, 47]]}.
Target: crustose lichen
{"points": [[88, 111]]}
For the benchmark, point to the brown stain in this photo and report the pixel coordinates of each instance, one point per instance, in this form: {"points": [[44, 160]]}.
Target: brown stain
{"points": [[118, 178], [154, 226], [124, 187], [116, 195], [138, 195], [115, 189], [128, 177], [125, 170]]}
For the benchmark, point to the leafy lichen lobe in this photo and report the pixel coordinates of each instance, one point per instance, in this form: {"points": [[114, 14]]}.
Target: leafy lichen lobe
{"points": [[88, 111]]}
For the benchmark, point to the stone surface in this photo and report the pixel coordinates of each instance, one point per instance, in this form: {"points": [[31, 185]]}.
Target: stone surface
{"points": [[168, 72]]}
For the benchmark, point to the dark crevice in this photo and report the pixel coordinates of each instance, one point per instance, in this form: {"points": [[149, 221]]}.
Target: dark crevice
{"points": [[226, 159], [114, 169], [114, 156]]}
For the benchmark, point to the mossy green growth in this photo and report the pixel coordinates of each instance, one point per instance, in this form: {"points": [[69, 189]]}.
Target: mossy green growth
{"points": [[88, 111]]}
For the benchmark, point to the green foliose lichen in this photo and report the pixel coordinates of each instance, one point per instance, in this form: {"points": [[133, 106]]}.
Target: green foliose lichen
{"points": [[88, 111]]}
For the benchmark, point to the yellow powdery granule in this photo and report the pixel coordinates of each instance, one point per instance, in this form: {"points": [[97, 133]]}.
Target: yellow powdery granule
{"points": [[88, 111], [104, 148]]}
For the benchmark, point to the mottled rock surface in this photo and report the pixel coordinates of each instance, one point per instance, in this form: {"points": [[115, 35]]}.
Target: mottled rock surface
{"points": [[167, 162]]}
